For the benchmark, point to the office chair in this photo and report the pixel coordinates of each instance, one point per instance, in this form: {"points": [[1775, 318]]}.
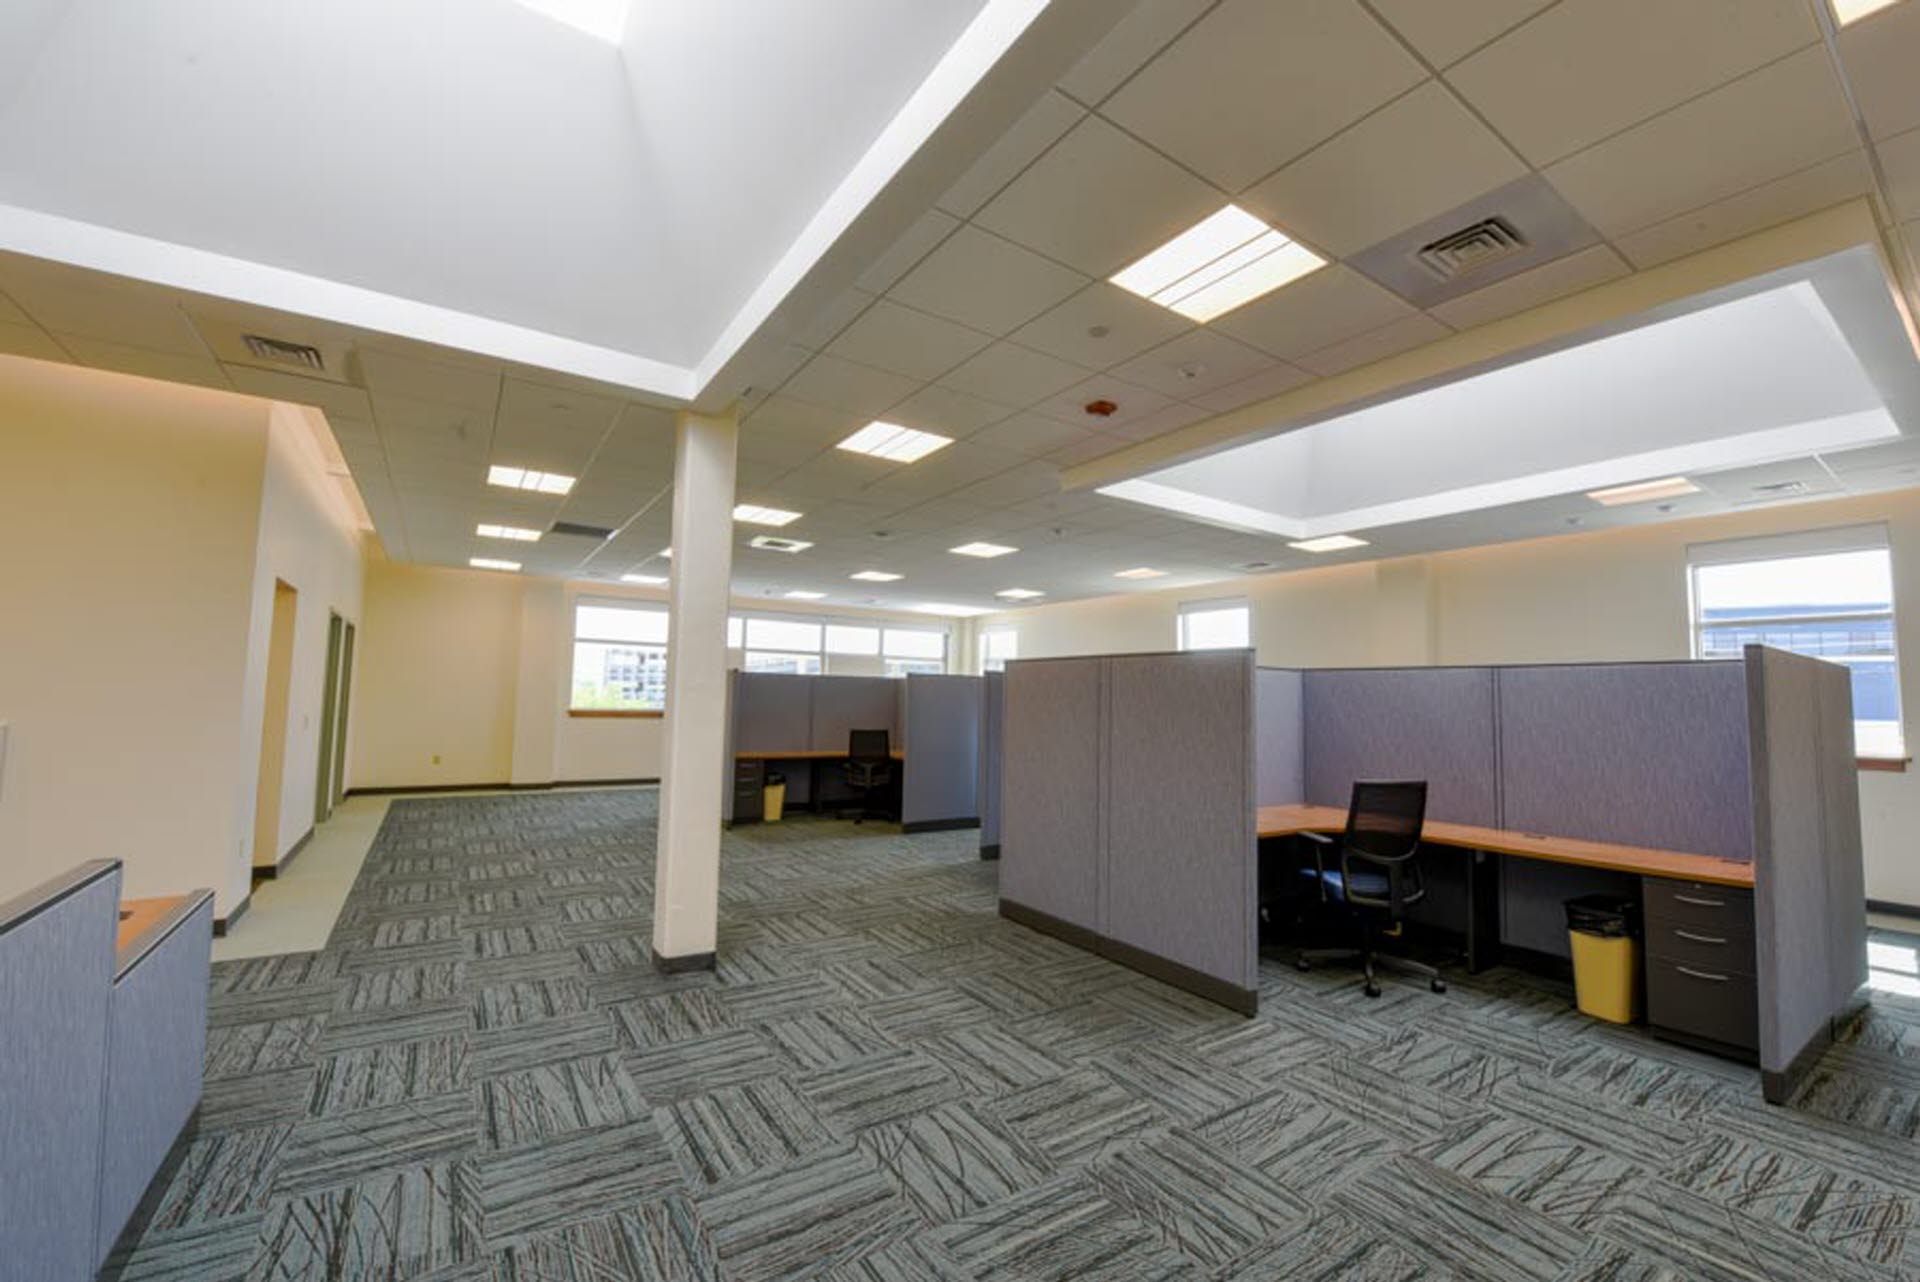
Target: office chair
{"points": [[1378, 877], [869, 767]]}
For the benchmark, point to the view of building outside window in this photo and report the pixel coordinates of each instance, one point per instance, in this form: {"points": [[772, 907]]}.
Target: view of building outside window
{"points": [[619, 658]]}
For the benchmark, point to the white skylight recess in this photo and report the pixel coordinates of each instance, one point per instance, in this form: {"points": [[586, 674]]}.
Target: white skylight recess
{"points": [[894, 443], [1329, 543], [517, 533], [876, 576], [754, 514], [1846, 12], [602, 19], [490, 563], [523, 478], [1218, 264], [984, 551], [1644, 491]]}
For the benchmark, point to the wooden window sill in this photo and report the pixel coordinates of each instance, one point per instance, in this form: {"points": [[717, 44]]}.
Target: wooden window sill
{"points": [[1897, 764], [650, 713]]}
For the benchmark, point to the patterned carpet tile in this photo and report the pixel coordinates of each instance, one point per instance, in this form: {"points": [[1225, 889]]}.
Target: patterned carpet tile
{"points": [[400, 1224], [660, 1241], [954, 1160]]}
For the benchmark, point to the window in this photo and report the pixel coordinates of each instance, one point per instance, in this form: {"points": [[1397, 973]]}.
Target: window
{"points": [[782, 645], [1216, 625], [1829, 594], [847, 638], [997, 645], [619, 657], [914, 650]]}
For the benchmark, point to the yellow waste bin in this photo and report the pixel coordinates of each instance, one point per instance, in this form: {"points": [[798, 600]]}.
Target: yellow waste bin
{"points": [[1603, 931], [773, 801]]}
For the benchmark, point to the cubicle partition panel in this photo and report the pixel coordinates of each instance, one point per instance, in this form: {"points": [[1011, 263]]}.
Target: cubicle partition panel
{"points": [[769, 712], [941, 719], [844, 704], [1404, 723], [56, 986], [1280, 769], [993, 713], [1128, 813], [1809, 903]]}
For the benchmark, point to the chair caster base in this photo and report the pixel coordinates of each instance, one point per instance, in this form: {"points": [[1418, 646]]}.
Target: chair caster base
{"points": [[1301, 963], [1372, 989], [1438, 985]]}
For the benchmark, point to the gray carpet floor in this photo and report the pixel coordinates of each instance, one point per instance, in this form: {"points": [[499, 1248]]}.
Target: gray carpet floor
{"points": [[481, 1077]]}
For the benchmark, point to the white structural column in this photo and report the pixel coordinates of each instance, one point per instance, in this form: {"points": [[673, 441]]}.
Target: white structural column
{"points": [[686, 899]]}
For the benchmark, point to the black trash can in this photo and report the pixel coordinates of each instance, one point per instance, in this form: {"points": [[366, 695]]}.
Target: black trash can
{"points": [[1603, 933]]}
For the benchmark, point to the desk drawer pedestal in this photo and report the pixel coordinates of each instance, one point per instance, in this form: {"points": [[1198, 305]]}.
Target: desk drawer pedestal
{"points": [[1700, 966]]}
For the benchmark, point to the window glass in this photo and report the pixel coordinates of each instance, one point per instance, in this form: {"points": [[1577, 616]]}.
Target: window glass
{"points": [[997, 645], [915, 643], [619, 658], [774, 661], [736, 632], [621, 623], [846, 638], [1216, 625], [782, 634]]}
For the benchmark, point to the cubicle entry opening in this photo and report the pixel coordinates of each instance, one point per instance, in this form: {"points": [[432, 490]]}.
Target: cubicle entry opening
{"points": [[1721, 794]]}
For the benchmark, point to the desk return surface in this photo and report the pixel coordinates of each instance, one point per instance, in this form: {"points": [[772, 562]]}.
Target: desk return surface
{"points": [[815, 754], [1286, 821]]}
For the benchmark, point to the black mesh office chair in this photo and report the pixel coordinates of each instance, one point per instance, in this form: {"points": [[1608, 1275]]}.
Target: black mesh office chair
{"points": [[1378, 877], [869, 768]]}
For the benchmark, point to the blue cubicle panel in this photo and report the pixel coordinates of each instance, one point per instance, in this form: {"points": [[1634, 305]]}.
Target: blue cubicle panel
{"points": [[1052, 826], [1641, 754], [992, 718], [941, 715], [1280, 768], [56, 985], [773, 712], [1404, 723], [844, 704]]}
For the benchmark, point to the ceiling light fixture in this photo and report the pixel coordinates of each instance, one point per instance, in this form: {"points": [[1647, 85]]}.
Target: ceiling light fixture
{"points": [[1328, 543], [1140, 572], [522, 478], [773, 543], [982, 550], [1847, 12], [754, 514], [518, 534], [1671, 487], [894, 443], [1018, 594], [645, 580], [1219, 263], [801, 594], [488, 563], [947, 608], [876, 576]]}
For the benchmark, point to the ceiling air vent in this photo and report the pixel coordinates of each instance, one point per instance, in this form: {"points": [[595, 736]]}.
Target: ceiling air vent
{"points": [[584, 531], [1781, 489], [1254, 567], [1471, 249], [774, 543], [284, 353]]}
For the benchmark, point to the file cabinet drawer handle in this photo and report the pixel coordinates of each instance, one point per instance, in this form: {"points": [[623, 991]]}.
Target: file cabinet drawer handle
{"points": [[1699, 939], [1701, 903], [1701, 974]]}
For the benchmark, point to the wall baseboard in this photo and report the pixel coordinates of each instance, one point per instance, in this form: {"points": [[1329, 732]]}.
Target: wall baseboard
{"points": [[418, 789], [940, 825], [990, 852], [221, 925], [267, 872], [1243, 1001], [683, 964], [1893, 908]]}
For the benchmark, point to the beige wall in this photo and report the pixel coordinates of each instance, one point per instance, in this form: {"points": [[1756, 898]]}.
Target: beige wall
{"points": [[142, 525], [1602, 596]]}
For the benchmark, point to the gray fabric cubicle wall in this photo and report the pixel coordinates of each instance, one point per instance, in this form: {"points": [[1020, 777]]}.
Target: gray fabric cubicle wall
{"points": [[844, 704], [1280, 769], [56, 988], [992, 718], [1404, 723], [1809, 899], [1053, 821], [941, 720]]}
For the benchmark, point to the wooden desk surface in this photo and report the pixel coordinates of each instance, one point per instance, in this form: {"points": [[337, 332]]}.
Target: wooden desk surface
{"points": [[136, 915], [812, 754], [1285, 821]]}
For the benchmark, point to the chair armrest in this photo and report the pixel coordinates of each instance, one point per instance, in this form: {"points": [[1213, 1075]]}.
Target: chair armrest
{"points": [[1319, 842]]}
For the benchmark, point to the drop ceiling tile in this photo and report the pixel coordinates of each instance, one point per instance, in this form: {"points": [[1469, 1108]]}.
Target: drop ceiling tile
{"points": [[1098, 200], [1012, 375], [1900, 162], [946, 412], [911, 343], [1144, 427], [1764, 126], [1271, 382], [11, 313], [1402, 335], [124, 358], [1410, 161], [62, 301], [1127, 325], [1197, 362], [1314, 312], [796, 420], [1445, 33], [1880, 53], [1583, 269], [557, 408], [1586, 69], [1131, 401], [828, 475], [30, 340], [1255, 84], [1032, 435], [1043, 125], [393, 374], [329, 397], [1776, 202], [1015, 484], [983, 281], [834, 317], [1145, 31], [847, 385]]}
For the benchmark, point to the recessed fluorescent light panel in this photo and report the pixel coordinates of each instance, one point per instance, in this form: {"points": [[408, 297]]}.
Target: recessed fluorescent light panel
{"points": [[983, 550], [517, 533], [1018, 594], [1329, 543], [894, 443], [876, 576], [521, 478], [773, 543], [645, 580], [1217, 265], [1850, 11], [1670, 488], [1140, 572], [947, 608], [754, 514], [488, 563], [801, 594]]}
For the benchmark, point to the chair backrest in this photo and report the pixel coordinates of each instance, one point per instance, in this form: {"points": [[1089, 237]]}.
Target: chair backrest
{"points": [[869, 745], [1384, 818]]}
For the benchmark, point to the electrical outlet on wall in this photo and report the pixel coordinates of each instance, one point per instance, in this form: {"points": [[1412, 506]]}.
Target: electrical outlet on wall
{"points": [[436, 758]]}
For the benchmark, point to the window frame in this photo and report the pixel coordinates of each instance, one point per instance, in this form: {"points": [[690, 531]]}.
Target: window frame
{"points": [[986, 647], [1211, 605], [577, 638]]}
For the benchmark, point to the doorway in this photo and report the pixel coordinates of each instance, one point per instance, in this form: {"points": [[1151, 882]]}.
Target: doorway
{"points": [[331, 769], [271, 785]]}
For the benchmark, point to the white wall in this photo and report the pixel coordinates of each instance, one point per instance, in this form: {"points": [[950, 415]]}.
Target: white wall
{"points": [[142, 525], [1599, 597]]}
